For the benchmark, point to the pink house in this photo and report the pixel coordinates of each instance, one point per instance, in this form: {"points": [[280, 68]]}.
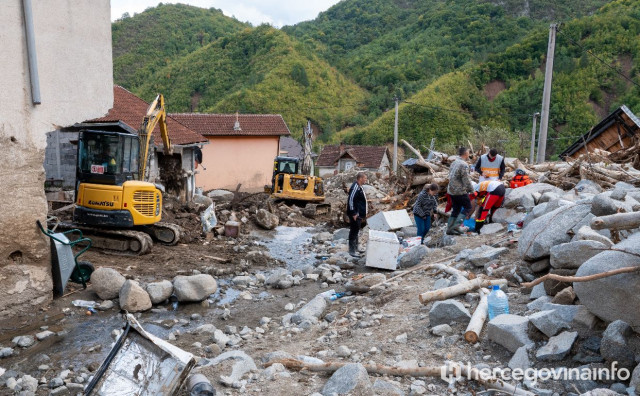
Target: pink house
{"points": [[241, 148]]}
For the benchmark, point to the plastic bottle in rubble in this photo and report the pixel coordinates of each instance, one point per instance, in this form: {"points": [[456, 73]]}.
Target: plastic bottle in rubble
{"points": [[498, 302]]}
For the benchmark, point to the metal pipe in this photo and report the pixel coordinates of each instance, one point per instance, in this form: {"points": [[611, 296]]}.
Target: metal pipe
{"points": [[31, 52]]}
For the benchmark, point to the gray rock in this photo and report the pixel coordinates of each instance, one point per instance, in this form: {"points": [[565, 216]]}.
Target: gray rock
{"points": [[323, 237], [341, 233], [107, 282], [44, 334], [311, 311], [56, 382], [105, 305], [491, 228], [524, 196], [60, 391], [520, 359], [280, 278], [576, 315], [159, 291], [549, 230], [441, 330], [604, 204], [384, 388], [621, 189], [220, 196], [586, 186], [133, 298], [614, 346], [29, 384], [614, 297], [244, 364], [540, 265], [549, 322], [538, 303], [349, 379], [635, 378], [241, 280], [24, 341], [447, 312], [547, 196], [552, 286], [267, 220], [600, 392], [194, 288], [413, 257], [343, 351], [506, 216], [489, 254], [6, 352], [510, 331], [586, 233], [409, 232], [441, 283], [558, 347], [572, 255], [537, 292]]}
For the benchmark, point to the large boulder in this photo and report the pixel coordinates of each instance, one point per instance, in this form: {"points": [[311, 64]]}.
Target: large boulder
{"points": [[572, 255], [160, 291], [507, 216], [510, 331], [448, 312], [586, 186], [133, 298], [202, 200], [194, 287], [552, 229], [413, 257], [586, 233], [524, 196], [107, 282], [549, 322], [351, 379], [614, 297], [267, 220], [482, 257]]}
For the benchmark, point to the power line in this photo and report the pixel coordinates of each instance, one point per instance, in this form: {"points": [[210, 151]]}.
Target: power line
{"points": [[618, 71]]}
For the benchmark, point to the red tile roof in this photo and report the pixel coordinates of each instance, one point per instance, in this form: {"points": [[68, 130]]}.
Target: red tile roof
{"points": [[223, 124], [365, 156], [130, 109]]}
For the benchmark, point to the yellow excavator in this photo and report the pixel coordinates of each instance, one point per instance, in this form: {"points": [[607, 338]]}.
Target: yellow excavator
{"points": [[287, 184], [114, 203]]}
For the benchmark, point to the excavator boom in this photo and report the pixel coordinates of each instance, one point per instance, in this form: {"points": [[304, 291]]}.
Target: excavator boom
{"points": [[156, 114]]}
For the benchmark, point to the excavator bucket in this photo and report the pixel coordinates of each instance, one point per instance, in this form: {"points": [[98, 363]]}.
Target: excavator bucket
{"points": [[313, 210]]}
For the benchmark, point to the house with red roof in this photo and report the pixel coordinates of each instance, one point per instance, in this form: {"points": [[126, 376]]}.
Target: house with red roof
{"points": [[241, 148], [334, 159], [176, 173]]}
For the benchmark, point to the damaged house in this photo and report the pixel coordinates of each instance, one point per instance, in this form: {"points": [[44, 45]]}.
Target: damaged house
{"points": [[336, 159], [176, 172]]}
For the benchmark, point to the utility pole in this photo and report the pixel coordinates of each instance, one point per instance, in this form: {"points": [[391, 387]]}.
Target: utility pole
{"points": [[546, 95], [395, 139], [533, 139]]}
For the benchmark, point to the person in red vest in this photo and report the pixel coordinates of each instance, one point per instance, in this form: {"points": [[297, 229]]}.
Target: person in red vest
{"points": [[493, 192]]}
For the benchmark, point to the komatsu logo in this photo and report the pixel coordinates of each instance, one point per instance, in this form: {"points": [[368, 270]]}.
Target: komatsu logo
{"points": [[101, 203]]}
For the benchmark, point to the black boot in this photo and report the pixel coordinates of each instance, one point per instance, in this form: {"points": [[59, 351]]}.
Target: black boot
{"points": [[479, 225]]}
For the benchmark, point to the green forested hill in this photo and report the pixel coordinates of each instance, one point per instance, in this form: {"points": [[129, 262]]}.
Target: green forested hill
{"points": [[152, 39], [259, 70], [464, 69]]}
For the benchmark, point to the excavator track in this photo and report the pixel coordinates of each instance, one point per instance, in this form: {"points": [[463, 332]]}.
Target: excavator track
{"points": [[313, 210], [124, 242], [165, 233]]}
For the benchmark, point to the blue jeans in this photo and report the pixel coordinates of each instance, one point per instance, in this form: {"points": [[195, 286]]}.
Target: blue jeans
{"points": [[423, 225]]}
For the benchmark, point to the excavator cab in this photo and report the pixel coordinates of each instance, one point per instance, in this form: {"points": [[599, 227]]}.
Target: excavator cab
{"points": [[107, 157]]}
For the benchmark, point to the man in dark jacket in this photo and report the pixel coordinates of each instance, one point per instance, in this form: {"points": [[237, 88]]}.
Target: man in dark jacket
{"points": [[357, 211]]}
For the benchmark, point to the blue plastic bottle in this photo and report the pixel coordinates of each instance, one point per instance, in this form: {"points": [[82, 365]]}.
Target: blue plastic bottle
{"points": [[498, 302]]}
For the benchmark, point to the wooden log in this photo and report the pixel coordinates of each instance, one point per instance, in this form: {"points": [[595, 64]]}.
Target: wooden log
{"points": [[461, 276], [618, 221], [421, 160], [454, 369], [472, 333], [569, 279], [456, 290], [421, 179]]}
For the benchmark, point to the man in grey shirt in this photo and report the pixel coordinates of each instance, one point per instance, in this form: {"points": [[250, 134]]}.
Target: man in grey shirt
{"points": [[459, 189]]}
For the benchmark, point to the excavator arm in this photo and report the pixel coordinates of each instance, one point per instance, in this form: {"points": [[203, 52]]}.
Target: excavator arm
{"points": [[156, 114]]}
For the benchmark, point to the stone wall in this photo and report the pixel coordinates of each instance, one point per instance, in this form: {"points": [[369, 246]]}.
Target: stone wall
{"points": [[76, 84]]}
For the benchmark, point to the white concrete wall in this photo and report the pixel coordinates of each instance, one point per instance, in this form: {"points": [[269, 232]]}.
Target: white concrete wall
{"points": [[73, 45], [385, 165]]}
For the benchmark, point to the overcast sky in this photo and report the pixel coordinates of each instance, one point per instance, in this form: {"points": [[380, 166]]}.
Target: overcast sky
{"points": [[275, 12]]}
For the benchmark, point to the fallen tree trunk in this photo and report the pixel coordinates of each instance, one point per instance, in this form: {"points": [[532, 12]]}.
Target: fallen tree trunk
{"points": [[421, 179], [618, 221], [455, 370], [472, 333], [461, 288], [461, 276]]}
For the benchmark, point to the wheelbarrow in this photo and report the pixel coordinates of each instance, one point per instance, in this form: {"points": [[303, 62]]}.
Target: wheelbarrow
{"points": [[64, 264]]}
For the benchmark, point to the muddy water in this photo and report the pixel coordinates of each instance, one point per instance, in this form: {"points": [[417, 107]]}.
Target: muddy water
{"points": [[287, 244]]}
